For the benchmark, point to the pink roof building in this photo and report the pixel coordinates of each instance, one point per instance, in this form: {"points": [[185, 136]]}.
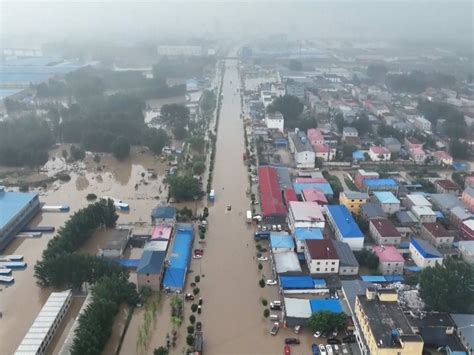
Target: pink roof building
{"points": [[417, 154], [161, 232], [379, 150], [314, 195], [443, 157], [315, 136], [391, 262], [317, 180]]}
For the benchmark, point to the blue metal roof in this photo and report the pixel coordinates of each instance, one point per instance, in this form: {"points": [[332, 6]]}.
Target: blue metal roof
{"points": [[373, 278], [325, 187], [308, 233], [318, 305], [163, 212], [296, 282], [380, 182], [175, 274], [11, 203], [151, 262], [129, 263], [281, 241], [345, 223], [386, 197], [425, 249], [358, 155], [319, 283]]}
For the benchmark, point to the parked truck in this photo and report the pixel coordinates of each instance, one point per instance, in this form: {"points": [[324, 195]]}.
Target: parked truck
{"points": [[249, 216]]}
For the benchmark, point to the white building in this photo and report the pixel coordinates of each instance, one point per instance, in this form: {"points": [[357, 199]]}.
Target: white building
{"points": [[424, 214], [378, 153], [302, 151], [266, 97], [388, 201], [424, 254], [466, 247], [415, 200], [324, 152], [349, 132], [421, 123], [321, 257], [275, 121], [305, 215]]}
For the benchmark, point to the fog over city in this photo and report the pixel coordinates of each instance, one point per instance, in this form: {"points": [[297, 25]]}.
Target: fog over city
{"points": [[155, 20]]}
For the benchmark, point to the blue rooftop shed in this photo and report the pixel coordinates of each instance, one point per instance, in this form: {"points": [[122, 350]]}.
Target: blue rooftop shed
{"points": [[296, 282], [318, 305], [175, 274], [281, 242], [344, 226], [325, 187], [302, 234], [358, 155]]}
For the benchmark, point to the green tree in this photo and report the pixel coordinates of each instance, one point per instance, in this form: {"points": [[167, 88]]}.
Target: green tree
{"points": [[459, 150], [448, 287], [121, 148], [175, 115], [77, 153], [199, 167], [156, 139], [367, 258], [190, 329], [295, 65], [289, 106], [184, 188], [327, 321], [161, 351], [192, 319], [262, 283], [180, 132], [340, 121], [266, 312], [190, 340]]}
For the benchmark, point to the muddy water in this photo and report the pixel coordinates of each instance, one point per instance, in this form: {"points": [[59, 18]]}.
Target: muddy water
{"points": [[21, 302]]}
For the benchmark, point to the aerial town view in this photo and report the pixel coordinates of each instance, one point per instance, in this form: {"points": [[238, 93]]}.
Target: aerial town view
{"points": [[237, 177]]}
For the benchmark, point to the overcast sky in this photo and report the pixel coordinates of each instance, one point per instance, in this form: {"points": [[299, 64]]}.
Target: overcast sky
{"points": [[129, 20]]}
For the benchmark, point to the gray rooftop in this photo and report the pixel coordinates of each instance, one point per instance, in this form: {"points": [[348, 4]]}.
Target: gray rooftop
{"points": [[460, 213], [383, 317], [345, 254], [287, 262], [372, 210], [406, 217], [352, 288], [356, 195], [300, 141], [116, 238], [445, 201], [465, 324]]}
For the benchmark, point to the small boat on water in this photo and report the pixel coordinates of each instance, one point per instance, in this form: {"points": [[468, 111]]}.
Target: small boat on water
{"points": [[61, 208], [11, 257], [12, 265], [119, 204]]}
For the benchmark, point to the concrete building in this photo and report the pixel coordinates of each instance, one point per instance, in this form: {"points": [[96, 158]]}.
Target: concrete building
{"points": [[324, 152], [349, 132], [16, 211], [363, 175], [275, 121], [464, 330], [372, 185], [444, 202], [348, 264], [353, 200], [344, 226], [378, 153], [421, 124], [466, 248], [151, 265], [437, 235], [446, 186], [305, 215], [388, 201], [384, 232], [294, 88], [411, 200], [370, 211], [286, 263], [281, 243], [391, 262], [424, 254], [113, 244], [303, 234], [315, 136], [321, 257], [417, 154], [383, 325], [424, 214], [314, 195], [467, 229], [271, 200], [302, 150], [443, 158], [297, 311], [457, 215], [468, 198]]}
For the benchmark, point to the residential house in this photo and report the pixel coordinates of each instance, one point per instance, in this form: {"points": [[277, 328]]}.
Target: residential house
{"points": [[372, 211], [344, 226], [324, 152], [372, 185], [349, 133], [294, 88], [443, 158], [457, 215], [348, 264], [275, 121], [314, 195], [305, 215], [445, 186], [411, 200], [163, 215], [285, 263], [437, 235], [281, 243], [379, 153], [353, 200], [383, 325], [321, 257], [315, 136], [468, 198], [388, 201], [464, 330], [363, 175], [406, 219], [424, 214], [424, 254], [466, 248], [392, 144], [151, 266], [445, 202], [417, 154], [467, 229], [391, 262], [302, 150], [421, 124], [303, 234], [384, 232]]}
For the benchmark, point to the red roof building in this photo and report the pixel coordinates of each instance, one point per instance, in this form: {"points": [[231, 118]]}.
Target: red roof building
{"points": [[270, 195], [314, 195], [446, 186], [289, 195], [316, 180]]}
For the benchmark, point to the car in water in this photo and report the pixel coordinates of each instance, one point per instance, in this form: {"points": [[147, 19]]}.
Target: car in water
{"points": [[229, 207], [275, 328], [198, 326], [315, 349], [336, 348], [271, 282], [287, 350], [329, 349], [317, 334], [262, 258], [189, 297], [292, 341], [322, 349]]}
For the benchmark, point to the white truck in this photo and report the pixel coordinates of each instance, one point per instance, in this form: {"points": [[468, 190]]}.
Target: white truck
{"points": [[249, 216]]}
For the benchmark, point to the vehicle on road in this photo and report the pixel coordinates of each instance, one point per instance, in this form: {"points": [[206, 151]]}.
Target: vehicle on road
{"points": [[212, 196], [275, 328], [292, 341], [275, 307], [279, 228], [271, 282], [274, 317], [262, 258], [249, 216], [189, 297], [287, 350], [322, 349], [329, 350], [297, 329], [317, 334], [315, 349], [198, 326]]}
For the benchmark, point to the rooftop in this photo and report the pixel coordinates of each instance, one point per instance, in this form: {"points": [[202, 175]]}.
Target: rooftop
{"points": [[325, 187], [308, 233], [385, 227], [379, 150], [306, 211], [344, 221], [406, 217], [447, 184], [151, 262], [115, 238], [163, 212], [386, 197], [297, 308], [281, 241], [321, 249], [460, 213], [11, 203], [349, 130], [446, 201], [271, 199], [418, 200], [356, 195], [387, 254], [345, 254], [466, 325], [436, 230], [314, 195], [425, 248], [380, 183], [287, 262], [469, 191], [300, 142], [423, 211], [383, 318], [373, 210]]}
